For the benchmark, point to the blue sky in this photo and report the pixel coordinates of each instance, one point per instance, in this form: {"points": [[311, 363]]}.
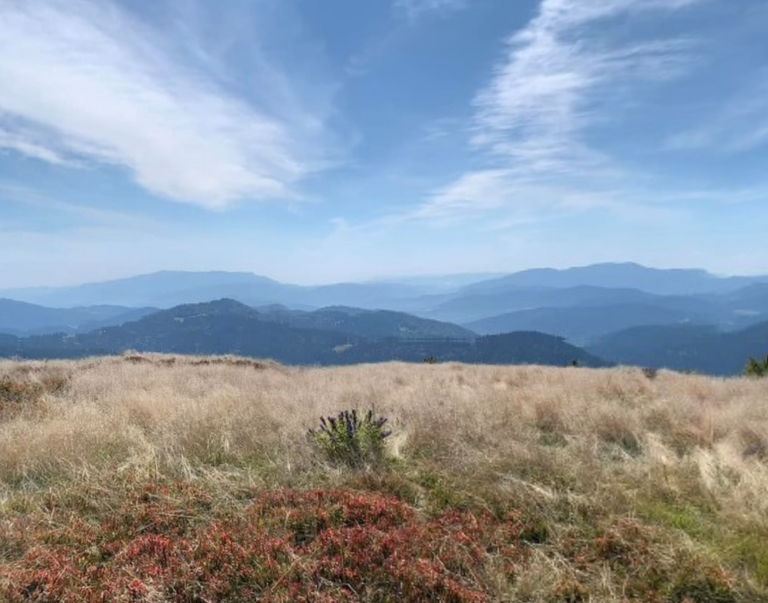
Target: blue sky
{"points": [[320, 141]]}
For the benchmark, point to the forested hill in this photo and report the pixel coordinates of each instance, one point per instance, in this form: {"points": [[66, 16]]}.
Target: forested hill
{"points": [[229, 327], [703, 349]]}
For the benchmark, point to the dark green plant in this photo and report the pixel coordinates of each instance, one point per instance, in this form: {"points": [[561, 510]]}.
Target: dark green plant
{"points": [[650, 372], [350, 440], [756, 368]]}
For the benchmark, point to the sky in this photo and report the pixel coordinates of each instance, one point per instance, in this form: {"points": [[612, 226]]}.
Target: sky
{"points": [[317, 141]]}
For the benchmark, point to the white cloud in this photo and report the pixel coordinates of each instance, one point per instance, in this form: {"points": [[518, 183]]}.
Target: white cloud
{"points": [[85, 81], [23, 143], [515, 200], [560, 76], [472, 192]]}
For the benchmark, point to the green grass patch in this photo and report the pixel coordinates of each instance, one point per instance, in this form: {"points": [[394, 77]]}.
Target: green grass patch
{"points": [[744, 547]]}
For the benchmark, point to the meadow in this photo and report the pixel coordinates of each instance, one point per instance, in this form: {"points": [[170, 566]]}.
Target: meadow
{"points": [[152, 478]]}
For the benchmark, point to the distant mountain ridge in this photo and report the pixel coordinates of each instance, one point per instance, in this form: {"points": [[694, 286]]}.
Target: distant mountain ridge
{"points": [[170, 288], [584, 305], [159, 289], [229, 327], [661, 281], [21, 318]]}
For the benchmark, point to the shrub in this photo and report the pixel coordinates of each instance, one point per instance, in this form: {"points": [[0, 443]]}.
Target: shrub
{"points": [[349, 440], [650, 372], [756, 368]]}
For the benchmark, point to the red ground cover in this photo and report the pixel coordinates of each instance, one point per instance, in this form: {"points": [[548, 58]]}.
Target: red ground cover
{"points": [[173, 544]]}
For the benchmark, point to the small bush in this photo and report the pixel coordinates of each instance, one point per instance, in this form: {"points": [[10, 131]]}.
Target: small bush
{"points": [[650, 372], [756, 368], [349, 440]]}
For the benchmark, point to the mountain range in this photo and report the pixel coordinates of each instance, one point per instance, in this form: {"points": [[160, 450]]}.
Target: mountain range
{"points": [[616, 311], [329, 337], [436, 295]]}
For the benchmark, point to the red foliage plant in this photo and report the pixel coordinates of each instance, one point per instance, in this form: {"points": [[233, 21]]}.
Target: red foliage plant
{"points": [[284, 546]]}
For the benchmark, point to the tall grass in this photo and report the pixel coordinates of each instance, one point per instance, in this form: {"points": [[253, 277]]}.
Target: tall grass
{"points": [[631, 485]]}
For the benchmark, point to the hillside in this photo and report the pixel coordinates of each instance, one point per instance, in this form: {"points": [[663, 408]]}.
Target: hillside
{"points": [[371, 324], [510, 348], [581, 325], [702, 349], [156, 478], [222, 327], [21, 318], [326, 337]]}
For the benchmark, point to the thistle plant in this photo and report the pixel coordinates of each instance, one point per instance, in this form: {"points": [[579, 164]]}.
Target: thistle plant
{"points": [[350, 440]]}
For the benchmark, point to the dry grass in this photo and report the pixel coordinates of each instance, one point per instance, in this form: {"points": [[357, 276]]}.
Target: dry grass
{"points": [[606, 465]]}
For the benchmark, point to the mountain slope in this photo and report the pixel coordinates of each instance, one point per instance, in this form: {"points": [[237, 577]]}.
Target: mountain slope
{"points": [[686, 347], [371, 324], [229, 327], [222, 327], [582, 324], [22, 318], [526, 347]]}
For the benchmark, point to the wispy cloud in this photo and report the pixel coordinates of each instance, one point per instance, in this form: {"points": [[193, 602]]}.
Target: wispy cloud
{"points": [[560, 76], [514, 200], [83, 81], [86, 214], [472, 192], [407, 13], [415, 9], [24, 143], [740, 125]]}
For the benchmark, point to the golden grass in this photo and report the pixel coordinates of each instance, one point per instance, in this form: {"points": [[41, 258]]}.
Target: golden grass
{"points": [[580, 449]]}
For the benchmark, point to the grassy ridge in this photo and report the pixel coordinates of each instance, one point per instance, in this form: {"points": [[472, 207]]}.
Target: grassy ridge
{"points": [[158, 478]]}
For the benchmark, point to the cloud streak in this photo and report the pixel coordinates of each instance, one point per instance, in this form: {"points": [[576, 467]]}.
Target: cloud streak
{"points": [[24, 143], [416, 9], [86, 82], [560, 76], [740, 126], [25, 196]]}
